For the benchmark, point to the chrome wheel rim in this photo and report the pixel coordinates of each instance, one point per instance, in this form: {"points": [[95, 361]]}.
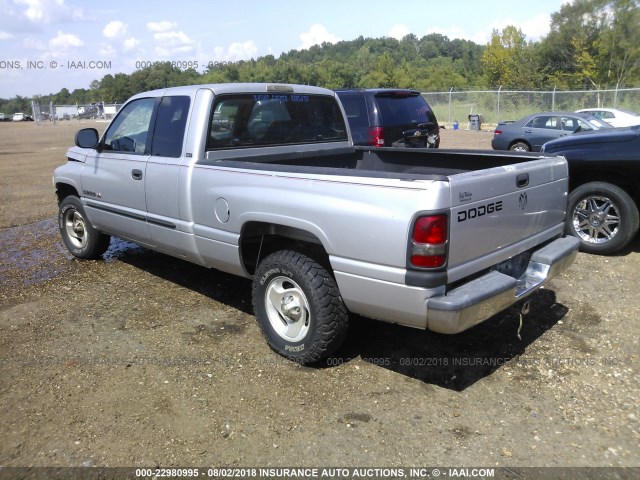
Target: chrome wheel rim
{"points": [[596, 219], [519, 149], [75, 228], [287, 309]]}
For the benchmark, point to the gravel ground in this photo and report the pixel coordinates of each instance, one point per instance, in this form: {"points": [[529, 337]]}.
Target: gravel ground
{"points": [[143, 360]]}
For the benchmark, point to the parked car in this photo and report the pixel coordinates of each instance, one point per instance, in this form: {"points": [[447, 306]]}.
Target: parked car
{"points": [[88, 111], [604, 185], [2, 117], [18, 117], [529, 133], [386, 117], [614, 116]]}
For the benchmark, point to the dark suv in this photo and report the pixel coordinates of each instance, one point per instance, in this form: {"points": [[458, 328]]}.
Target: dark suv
{"points": [[387, 117]]}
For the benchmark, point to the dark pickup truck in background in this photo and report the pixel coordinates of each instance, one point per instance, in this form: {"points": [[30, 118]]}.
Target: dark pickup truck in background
{"points": [[604, 184]]}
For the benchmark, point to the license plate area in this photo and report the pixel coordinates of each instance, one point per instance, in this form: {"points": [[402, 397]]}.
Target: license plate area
{"points": [[515, 266]]}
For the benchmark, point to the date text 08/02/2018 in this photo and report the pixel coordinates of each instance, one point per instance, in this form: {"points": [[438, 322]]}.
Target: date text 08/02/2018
{"points": [[314, 472]]}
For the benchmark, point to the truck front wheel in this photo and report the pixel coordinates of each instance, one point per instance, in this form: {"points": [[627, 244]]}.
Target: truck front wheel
{"points": [[603, 216], [78, 235], [299, 307]]}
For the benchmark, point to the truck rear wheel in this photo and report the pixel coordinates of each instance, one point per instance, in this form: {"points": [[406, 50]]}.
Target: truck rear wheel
{"points": [[78, 235], [299, 307], [603, 217]]}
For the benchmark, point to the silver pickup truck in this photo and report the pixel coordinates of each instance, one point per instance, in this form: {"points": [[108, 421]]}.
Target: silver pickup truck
{"points": [[263, 181]]}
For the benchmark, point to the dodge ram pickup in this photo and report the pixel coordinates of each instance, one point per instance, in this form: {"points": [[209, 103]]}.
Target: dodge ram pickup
{"points": [[263, 181]]}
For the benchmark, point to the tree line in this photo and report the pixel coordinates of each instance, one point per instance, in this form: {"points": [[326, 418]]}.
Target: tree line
{"points": [[591, 44]]}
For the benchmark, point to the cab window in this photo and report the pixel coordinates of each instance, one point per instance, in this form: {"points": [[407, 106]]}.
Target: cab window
{"points": [[129, 132], [168, 134], [251, 120]]}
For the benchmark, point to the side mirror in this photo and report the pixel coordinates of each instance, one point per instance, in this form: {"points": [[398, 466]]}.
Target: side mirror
{"points": [[87, 138]]}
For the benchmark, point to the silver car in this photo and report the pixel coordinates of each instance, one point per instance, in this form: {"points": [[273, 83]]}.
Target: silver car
{"points": [[529, 133]]}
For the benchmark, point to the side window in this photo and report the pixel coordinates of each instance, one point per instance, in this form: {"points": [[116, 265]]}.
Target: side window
{"points": [[129, 131], [253, 120], [168, 134], [552, 123], [569, 124], [584, 126], [545, 121], [355, 107]]}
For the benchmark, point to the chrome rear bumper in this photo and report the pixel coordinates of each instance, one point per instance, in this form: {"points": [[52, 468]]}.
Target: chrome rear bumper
{"points": [[479, 299]]}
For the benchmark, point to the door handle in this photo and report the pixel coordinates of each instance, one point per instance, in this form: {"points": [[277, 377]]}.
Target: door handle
{"points": [[136, 174], [522, 180]]}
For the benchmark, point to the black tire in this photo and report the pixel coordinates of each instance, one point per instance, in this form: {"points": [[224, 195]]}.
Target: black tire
{"points": [[299, 307], [520, 147], [78, 235], [603, 217]]}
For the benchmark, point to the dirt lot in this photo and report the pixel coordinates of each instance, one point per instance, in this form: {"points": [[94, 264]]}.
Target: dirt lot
{"points": [[143, 360]]}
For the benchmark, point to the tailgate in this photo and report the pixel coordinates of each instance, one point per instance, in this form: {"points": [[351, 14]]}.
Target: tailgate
{"points": [[500, 212]]}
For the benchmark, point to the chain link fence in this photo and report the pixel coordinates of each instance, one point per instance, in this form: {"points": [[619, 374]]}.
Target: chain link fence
{"points": [[453, 107], [50, 113], [494, 106]]}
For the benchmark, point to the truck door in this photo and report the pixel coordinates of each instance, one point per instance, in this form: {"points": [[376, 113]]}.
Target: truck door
{"points": [[113, 180], [163, 167]]}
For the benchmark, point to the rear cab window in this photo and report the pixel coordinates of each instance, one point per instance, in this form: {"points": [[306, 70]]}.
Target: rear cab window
{"points": [[266, 119]]}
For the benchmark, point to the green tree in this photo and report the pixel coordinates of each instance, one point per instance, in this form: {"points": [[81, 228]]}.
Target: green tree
{"points": [[385, 74], [619, 43], [439, 75], [593, 43], [62, 97], [508, 60]]}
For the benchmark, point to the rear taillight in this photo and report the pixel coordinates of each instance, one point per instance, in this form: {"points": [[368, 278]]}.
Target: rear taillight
{"points": [[497, 132], [376, 136], [429, 241]]}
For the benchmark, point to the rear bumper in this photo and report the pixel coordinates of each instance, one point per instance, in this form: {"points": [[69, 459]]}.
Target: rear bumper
{"points": [[479, 299]]}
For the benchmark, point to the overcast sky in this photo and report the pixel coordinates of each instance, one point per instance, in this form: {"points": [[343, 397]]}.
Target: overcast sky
{"points": [[46, 45]]}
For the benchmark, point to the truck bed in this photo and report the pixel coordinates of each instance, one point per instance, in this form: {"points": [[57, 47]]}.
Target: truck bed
{"points": [[521, 196], [400, 163]]}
